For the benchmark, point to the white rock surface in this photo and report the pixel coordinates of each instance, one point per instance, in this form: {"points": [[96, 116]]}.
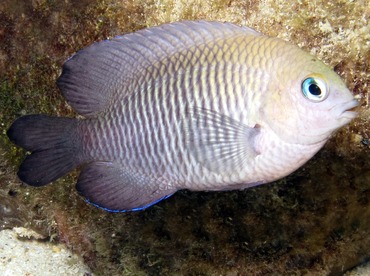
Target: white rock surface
{"points": [[363, 270], [31, 257]]}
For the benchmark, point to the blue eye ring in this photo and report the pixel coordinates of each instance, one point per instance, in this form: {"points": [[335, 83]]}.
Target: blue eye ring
{"points": [[314, 89]]}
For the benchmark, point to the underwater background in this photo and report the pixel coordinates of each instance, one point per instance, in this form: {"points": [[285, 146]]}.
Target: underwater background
{"points": [[314, 222]]}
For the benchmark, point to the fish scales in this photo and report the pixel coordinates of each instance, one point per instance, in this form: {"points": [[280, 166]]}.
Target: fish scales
{"points": [[210, 81], [187, 105]]}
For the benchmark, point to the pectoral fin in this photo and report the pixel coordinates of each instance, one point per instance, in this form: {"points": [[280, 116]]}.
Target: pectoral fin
{"points": [[219, 142]]}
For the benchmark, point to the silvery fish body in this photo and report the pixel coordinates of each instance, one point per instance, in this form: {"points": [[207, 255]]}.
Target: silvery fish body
{"points": [[188, 105]]}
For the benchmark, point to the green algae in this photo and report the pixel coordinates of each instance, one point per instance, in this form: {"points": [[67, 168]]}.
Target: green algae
{"points": [[315, 221]]}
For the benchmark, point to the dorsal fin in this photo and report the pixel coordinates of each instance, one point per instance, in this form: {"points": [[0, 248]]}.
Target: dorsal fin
{"points": [[92, 77]]}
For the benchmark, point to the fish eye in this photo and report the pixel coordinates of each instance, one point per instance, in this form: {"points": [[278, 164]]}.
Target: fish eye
{"points": [[314, 89]]}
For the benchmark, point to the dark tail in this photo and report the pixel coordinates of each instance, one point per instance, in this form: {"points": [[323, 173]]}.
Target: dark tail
{"points": [[54, 144]]}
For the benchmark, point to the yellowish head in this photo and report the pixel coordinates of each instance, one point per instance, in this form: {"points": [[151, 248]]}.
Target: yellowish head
{"points": [[307, 100]]}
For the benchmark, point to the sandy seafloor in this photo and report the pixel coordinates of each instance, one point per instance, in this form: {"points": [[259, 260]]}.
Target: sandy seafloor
{"points": [[25, 256]]}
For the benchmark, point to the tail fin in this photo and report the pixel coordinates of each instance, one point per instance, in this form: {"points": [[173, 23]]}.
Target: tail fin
{"points": [[54, 145]]}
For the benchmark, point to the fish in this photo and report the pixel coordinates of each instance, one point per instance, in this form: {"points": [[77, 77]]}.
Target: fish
{"points": [[197, 105]]}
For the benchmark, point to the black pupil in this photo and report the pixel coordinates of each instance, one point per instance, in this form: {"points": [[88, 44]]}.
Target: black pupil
{"points": [[314, 89]]}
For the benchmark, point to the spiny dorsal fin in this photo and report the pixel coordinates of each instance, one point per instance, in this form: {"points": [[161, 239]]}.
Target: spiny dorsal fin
{"points": [[102, 73]]}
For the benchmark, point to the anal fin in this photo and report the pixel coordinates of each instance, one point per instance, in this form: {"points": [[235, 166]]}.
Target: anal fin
{"points": [[109, 186]]}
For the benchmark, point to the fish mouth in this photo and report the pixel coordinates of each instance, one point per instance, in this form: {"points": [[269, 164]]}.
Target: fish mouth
{"points": [[347, 111]]}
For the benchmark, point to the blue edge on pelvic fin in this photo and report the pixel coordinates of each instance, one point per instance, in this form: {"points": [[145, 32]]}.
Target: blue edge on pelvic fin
{"points": [[131, 210]]}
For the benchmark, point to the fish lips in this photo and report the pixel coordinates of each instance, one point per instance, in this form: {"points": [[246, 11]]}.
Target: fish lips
{"points": [[345, 112]]}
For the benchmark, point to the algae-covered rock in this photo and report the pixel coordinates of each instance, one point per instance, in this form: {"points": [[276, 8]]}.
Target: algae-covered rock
{"points": [[315, 221]]}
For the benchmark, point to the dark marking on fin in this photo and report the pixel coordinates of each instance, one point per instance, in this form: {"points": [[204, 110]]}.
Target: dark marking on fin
{"points": [[53, 143]]}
